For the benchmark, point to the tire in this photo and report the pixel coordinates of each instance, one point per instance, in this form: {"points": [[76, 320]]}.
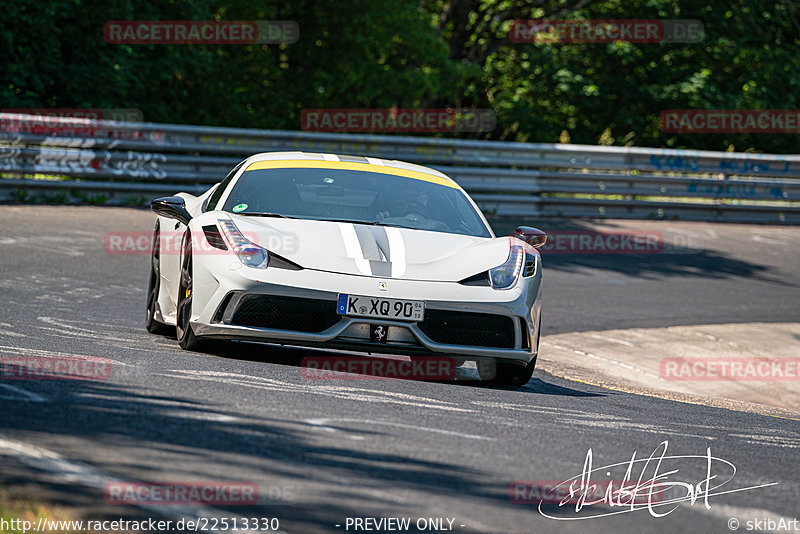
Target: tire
{"points": [[154, 326], [183, 329], [509, 374], [505, 373]]}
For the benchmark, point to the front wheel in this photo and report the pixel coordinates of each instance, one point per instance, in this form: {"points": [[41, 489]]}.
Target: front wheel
{"points": [[153, 325], [505, 373], [183, 328]]}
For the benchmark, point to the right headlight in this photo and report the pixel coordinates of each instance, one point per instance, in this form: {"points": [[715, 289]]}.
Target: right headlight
{"points": [[505, 276], [248, 252]]}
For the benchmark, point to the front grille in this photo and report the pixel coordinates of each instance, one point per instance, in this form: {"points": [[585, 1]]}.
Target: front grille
{"points": [[286, 313], [465, 328]]}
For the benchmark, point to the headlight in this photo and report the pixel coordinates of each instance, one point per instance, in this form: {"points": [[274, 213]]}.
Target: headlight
{"points": [[248, 252], [505, 276]]}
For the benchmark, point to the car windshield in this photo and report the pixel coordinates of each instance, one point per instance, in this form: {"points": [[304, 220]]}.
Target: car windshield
{"points": [[356, 196]]}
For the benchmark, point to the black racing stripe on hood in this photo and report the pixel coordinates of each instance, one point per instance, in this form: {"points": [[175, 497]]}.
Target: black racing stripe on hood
{"points": [[354, 159], [374, 243], [368, 244]]}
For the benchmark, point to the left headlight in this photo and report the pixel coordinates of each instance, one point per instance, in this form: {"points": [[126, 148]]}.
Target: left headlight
{"points": [[248, 252], [505, 276]]}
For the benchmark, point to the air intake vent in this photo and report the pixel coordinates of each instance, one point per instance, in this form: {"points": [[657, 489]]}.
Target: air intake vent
{"points": [[530, 265], [480, 279], [214, 238], [465, 328], [286, 313]]}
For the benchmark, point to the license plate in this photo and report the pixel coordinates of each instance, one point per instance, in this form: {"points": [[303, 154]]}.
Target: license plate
{"points": [[396, 309]]}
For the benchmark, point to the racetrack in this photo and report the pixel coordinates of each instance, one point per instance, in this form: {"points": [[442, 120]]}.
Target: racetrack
{"points": [[323, 451]]}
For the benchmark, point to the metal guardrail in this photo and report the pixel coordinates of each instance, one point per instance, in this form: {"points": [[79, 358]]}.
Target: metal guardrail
{"points": [[79, 157]]}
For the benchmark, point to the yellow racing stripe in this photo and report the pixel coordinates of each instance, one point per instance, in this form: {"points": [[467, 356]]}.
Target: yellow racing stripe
{"points": [[350, 166]]}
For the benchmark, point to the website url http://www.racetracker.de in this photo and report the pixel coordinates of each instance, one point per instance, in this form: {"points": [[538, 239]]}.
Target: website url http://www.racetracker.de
{"points": [[200, 524]]}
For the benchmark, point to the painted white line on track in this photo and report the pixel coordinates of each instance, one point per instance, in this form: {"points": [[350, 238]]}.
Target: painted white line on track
{"points": [[23, 351], [317, 388], [29, 396], [10, 333], [74, 331], [323, 423], [592, 420], [82, 474], [607, 360], [200, 416], [772, 438], [183, 410], [612, 340]]}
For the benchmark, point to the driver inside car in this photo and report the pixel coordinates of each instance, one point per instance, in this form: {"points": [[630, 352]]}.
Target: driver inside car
{"points": [[409, 202]]}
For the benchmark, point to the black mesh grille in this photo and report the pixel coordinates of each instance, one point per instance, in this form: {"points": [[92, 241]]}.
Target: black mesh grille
{"points": [[473, 329], [286, 313]]}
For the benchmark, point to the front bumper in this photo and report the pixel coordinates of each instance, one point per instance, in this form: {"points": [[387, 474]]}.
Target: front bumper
{"points": [[219, 298]]}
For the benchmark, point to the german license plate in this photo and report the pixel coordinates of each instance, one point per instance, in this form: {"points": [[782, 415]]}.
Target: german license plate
{"points": [[380, 308]]}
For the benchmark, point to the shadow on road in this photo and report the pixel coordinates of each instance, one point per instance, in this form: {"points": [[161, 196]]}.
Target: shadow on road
{"points": [[275, 452], [676, 257], [465, 376]]}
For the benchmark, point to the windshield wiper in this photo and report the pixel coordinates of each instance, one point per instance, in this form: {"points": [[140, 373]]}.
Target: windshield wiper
{"points": [[265, 214], [368, 223], [351, 221]]}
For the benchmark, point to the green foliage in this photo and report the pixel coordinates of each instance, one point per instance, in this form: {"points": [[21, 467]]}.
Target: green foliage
{"points": [[20, 195], [409, 53], [58, 197], [363, 53], [97, 199], [614, 92], [136, 201]]}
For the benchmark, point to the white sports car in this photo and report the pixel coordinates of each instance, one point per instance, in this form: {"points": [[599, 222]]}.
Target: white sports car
{"points": [[347, 252]]}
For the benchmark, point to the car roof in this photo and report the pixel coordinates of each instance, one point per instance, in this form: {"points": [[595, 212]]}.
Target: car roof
{"points": [[267, 160]]}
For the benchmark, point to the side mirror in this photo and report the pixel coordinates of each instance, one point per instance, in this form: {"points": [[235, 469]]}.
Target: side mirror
{"points": [[532, 236], [171, 207]]}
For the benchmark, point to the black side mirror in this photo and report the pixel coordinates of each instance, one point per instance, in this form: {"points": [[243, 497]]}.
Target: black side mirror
{"points": [[533, 236], [171, 207]]}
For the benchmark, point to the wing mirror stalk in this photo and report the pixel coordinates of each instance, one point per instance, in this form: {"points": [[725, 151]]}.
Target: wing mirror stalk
{"points": [[172, 208]]}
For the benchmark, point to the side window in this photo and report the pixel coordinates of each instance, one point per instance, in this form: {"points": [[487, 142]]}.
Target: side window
{"points": [[215, 196]]}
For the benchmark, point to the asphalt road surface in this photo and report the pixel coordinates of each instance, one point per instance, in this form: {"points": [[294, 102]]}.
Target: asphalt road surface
{"points": [[325, 451]]}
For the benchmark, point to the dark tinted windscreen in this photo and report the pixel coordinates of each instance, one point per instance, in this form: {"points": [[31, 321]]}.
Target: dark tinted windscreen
{"points": [[370, 197]]}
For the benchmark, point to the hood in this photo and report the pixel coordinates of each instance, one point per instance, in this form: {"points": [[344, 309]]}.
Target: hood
{"points": [[379, 251]]}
